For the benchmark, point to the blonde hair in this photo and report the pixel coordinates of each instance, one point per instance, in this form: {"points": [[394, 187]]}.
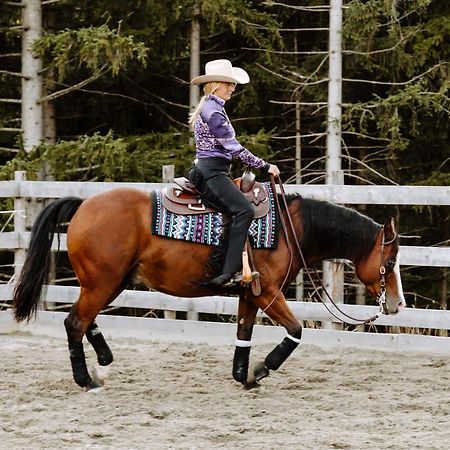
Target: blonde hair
{"points": [[208, 88]]}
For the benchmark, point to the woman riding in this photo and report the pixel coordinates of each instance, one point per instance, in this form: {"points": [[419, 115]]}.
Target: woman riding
{"points": [[216, 146]]}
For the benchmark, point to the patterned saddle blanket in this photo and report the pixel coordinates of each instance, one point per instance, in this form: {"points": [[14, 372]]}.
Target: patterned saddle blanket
{"points": [[207, 227]]}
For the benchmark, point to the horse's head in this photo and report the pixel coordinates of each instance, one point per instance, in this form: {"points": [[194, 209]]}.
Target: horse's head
{"points": [[380, 271]]}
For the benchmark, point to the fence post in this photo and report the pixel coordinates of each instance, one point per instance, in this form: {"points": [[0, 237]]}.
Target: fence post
{"points": [[168, 172], [19, 225], [333, 281], [360, 297]]}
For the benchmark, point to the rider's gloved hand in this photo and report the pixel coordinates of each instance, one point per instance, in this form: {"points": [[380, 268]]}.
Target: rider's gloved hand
{"points": [[274, 170]]}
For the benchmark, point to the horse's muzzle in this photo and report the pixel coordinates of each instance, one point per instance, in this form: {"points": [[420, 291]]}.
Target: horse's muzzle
{"points": [[401, 304]]}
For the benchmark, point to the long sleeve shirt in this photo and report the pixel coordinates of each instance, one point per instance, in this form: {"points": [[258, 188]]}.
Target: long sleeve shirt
{"points": [[215, 136]]}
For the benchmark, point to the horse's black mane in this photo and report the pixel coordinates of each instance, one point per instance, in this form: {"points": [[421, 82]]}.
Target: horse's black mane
{"points": [[334, 231]]}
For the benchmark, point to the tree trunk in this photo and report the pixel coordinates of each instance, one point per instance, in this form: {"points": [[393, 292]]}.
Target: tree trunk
{"points": [[333, 273], [32, 112], [195, 58], [48, 107]]}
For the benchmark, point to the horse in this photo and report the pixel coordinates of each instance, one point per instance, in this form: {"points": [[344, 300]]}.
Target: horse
{"points": [[109, 245]]}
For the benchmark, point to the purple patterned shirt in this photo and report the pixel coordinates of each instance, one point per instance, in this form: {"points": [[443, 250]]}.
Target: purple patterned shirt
{"points": [[215, 136]]}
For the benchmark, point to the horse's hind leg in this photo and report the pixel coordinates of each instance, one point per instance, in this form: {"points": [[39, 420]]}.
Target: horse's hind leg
{"points": [[96, 339], [279, 311], [81, 321], [245, 320], [95, 336], [77, 356]]}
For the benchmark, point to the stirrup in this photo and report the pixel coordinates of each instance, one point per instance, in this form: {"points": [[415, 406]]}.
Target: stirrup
{"points": [[237, 279]]}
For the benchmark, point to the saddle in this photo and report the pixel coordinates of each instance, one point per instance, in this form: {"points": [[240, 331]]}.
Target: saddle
{"points": [[185, 199]]}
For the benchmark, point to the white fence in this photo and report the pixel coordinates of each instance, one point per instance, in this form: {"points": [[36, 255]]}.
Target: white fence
{"points": [[227, 306]]}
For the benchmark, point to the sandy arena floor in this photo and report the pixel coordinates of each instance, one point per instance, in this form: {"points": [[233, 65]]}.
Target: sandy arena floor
{"points": [[173, 396]]}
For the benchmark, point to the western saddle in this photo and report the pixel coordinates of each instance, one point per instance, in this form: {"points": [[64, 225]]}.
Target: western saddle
{"points": [[185, 199]]}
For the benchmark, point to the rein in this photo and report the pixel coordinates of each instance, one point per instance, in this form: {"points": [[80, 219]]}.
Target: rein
{"points": [[381, 297], [283, 225]]}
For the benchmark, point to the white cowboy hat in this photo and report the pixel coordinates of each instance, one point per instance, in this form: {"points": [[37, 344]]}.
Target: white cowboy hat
{"points": [[222, 70]]}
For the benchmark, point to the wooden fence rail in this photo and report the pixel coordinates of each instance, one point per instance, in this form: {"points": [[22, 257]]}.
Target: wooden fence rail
{"points": [[227, 306], [343, 194], [409, 255]]}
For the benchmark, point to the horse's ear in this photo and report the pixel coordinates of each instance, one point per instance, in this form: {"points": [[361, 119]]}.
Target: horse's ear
{"points": [[389, 230]]}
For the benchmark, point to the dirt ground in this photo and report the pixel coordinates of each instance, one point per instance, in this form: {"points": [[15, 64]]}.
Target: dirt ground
{"points": [[178, 396]]}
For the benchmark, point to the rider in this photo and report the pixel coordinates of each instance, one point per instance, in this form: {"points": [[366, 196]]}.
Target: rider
{"points": [[216, 146]]}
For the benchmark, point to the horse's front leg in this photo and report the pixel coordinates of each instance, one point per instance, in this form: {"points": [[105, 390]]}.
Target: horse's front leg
{"points": [[278, 310], [246, 318]]}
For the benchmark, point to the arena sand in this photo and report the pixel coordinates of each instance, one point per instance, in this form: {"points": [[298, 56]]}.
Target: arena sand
{"points": [[178, 396]]}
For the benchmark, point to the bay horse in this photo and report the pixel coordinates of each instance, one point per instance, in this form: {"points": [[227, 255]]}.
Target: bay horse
{"points": [[110, 244]]}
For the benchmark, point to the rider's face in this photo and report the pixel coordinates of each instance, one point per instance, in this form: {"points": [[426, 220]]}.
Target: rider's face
{"points": [[225, 90]]}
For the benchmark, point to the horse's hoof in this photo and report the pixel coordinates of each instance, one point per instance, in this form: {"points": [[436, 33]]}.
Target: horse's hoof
{"points": [[260, 371], [248, 385], [93, 387], [95, 390]]}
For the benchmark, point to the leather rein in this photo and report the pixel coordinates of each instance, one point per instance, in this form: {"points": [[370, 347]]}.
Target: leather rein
{"points": [[381, 296]]}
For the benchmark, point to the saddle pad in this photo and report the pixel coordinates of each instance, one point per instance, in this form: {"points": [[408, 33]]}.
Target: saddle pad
{"points": [[207, 228]]}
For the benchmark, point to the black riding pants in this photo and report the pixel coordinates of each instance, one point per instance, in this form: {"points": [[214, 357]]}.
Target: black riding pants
{"points": [[211, 176]]}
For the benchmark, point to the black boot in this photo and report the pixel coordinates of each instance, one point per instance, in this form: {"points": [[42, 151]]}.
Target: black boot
{"points": [[221, 280]]}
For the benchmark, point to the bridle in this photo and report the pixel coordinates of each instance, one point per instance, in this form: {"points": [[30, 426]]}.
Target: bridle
{"points": [[381, 296]]}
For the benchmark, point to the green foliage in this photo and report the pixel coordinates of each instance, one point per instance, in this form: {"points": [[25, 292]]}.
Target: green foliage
{"points": [[256, 26], [28, 162], [106, 158], [97, 158], [437, 178], [401, 50], [362, 24], [430, 43], [398, 117], [94, 48]]}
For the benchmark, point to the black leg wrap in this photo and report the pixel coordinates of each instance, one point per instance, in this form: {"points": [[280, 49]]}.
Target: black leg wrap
{"points": [[280, 353], [78, 360], [240, 363], [96, 339]]}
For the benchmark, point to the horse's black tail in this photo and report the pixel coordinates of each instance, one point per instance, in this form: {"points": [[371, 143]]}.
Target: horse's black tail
{"points": [[36, 268]]}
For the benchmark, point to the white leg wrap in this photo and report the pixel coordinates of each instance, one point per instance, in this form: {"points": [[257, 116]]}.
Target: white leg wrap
{"points": [[292, 338], [240, 343]]}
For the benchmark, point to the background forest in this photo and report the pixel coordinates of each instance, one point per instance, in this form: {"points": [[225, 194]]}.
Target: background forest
{"points": [[117, 96]]}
